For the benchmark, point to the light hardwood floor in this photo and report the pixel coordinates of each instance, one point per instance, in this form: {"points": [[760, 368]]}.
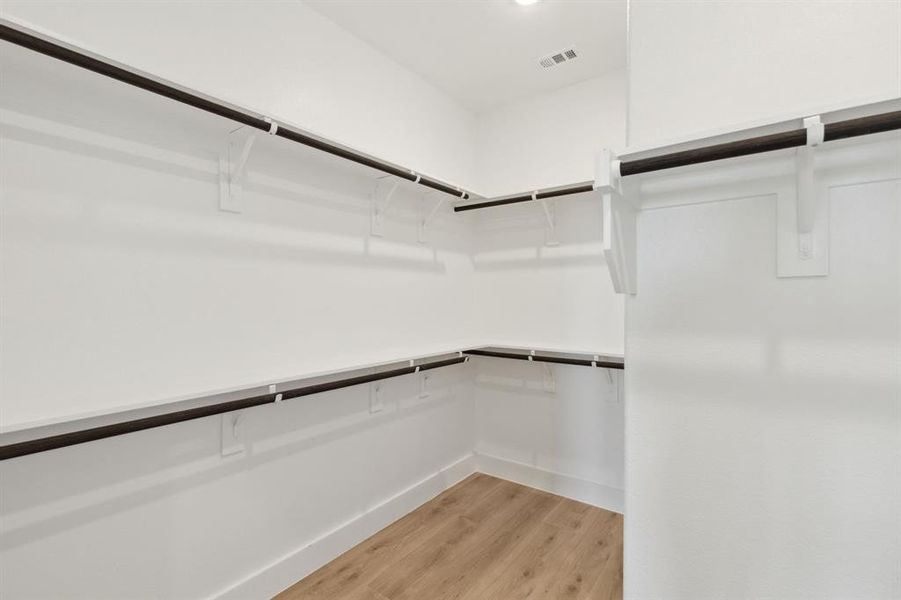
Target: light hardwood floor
{"points": [[483, 539]]}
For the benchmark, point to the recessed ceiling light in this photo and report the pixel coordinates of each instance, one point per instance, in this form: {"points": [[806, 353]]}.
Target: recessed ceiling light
{"points": [[526, 2]]}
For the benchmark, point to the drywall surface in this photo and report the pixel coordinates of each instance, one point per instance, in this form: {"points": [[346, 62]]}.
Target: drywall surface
{"points": [[160, 514], [283, 59], [554, 427], [536, 295], [538, 286], [763, 414], [550, 139], [125, 284], [698, 66]]}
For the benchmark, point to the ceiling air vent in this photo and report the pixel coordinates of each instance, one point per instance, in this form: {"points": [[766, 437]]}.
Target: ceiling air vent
{"points": [[558, 58]]}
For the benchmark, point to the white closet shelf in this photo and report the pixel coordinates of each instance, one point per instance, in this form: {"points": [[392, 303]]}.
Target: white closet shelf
{"points": [[79, 431], [220, 114], [23, 37]]}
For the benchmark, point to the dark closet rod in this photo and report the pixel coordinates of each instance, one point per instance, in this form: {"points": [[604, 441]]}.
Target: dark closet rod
{"points": [[216, 107], [81, 436], [565, 358], [839, 130], [577, 188]]}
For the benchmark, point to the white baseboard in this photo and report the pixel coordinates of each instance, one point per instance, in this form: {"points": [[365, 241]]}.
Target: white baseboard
{"points": [[589, 492], [293, 567], [277, 576]]}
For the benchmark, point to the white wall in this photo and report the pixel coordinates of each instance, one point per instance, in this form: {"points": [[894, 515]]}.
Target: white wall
{"points": [[568, 440], [159, 514], [698, 66], [530, 293], [123, 279], [113, 248], [542, 297], [763, 417], [533, 295], [550, 139], [294, 239], [553, 427], [123, 284]]}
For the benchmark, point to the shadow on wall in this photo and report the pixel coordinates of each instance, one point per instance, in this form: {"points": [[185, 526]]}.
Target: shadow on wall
{"points": [[196, 225], [139, 134], [767, 408], [534, 295], [518, 236], [568, 419], [115, 251]]}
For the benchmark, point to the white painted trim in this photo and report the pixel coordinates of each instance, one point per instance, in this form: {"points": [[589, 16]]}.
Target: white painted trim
{"points": [[275, 577], [589, 492]]}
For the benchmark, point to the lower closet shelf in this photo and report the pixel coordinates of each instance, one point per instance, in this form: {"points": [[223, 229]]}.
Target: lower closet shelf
{"points": [[91, 429], [51, 437]]}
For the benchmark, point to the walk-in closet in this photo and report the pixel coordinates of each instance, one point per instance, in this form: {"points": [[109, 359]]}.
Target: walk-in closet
{"points": [[445, 299]]}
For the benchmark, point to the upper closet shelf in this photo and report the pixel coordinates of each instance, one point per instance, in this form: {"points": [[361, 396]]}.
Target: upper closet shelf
{"points": [[21, 36], [610, 168], [70, 433]]}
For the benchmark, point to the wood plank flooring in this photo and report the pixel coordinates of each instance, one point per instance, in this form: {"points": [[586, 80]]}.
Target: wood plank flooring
{"points": [[483, 539]]}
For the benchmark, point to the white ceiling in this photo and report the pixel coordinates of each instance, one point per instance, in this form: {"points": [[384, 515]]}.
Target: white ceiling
{"points": [[485, 53]]}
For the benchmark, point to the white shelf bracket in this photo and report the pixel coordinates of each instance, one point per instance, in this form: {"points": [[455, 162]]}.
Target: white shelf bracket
{"points": [[620, 234], [424, 387], [803, 224], [807, 193], [550, 381], [612, 380], [426, 218], [382, 196], [550, 216], [233, 440], [233, 165], [376, 400]]}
